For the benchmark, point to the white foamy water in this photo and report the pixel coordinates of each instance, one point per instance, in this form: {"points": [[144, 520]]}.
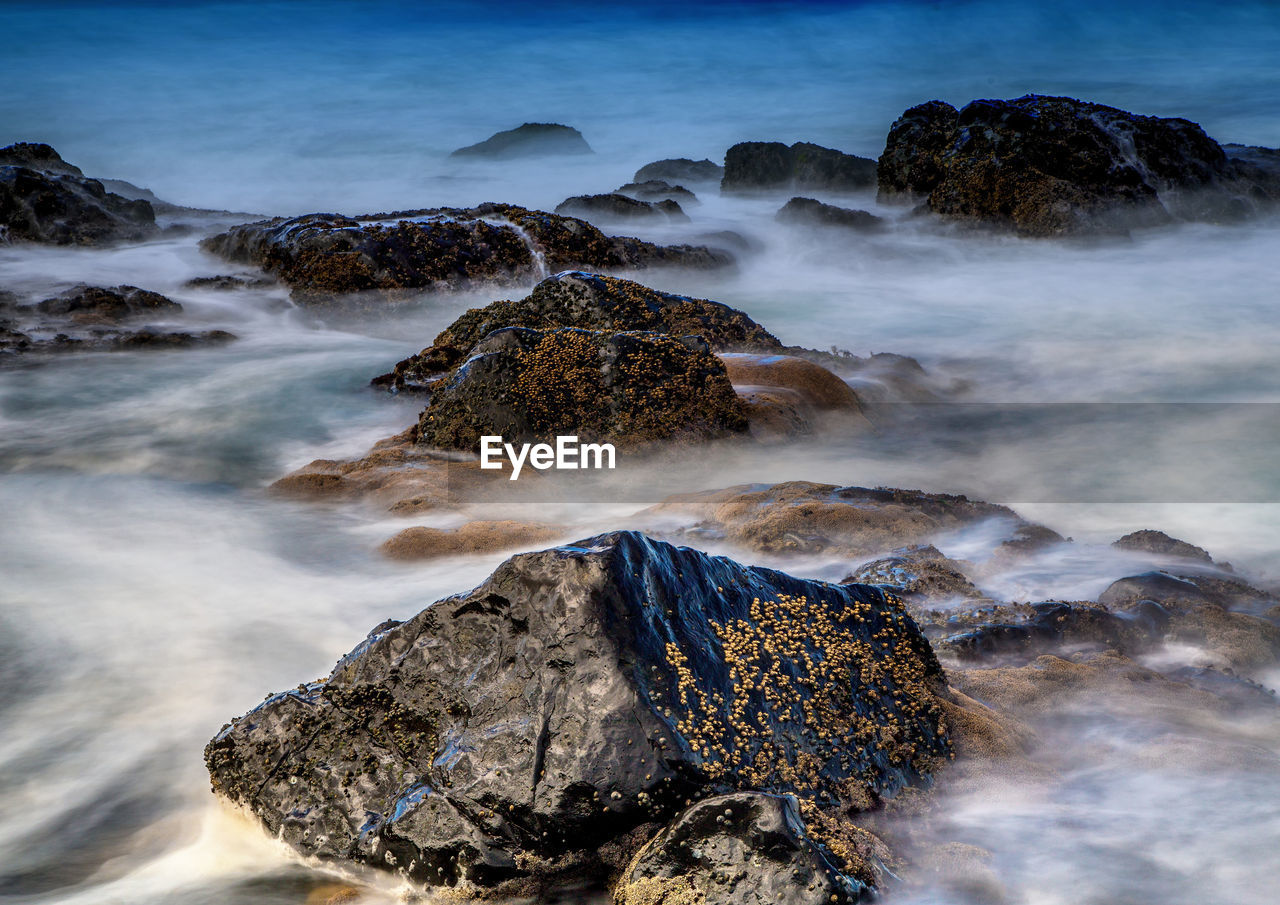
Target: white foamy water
{"points": [[150, 590]]}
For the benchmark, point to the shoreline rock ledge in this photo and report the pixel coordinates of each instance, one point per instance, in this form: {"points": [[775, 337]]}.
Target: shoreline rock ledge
{"points": [[539, 730]]}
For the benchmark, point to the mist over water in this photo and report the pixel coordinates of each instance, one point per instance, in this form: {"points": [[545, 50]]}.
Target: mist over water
{"points": [[150, 589]]}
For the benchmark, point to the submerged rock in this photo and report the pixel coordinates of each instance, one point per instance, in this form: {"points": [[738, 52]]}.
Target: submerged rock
{"points": [[658, 190], [810, 212], [618, 206], [747, 847], [769, 165], [630, 388], [588, 301], [1056, 165], [529, 140], [681, 170], [64, 209], [320, 256], [583, 695]]}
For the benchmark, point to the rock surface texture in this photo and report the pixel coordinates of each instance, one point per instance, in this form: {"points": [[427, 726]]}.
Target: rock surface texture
{"points": [[586, 695], [320, 256], [1046, 166], [45, 199]]}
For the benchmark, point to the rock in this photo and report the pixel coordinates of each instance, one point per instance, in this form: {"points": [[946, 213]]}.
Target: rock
{"points": [[631, 388], [1044, 628], [815, 384], [770, 165], [96, 305], [620, 207], [804, 517], [579, 695], [321, 256], [810, 212], [1161, 544], [746, 847], [420, 543], [1046, 166], [658, 190], [588, 301], [37, 156], [919, 573], [1260, 166], [680, 170], [227, 282], [775, 413], [64, 209], [155, 339], [529, 140]]}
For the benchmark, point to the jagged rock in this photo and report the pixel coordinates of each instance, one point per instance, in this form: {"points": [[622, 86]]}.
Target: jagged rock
{"points": [[64, 209], [630, 388], [747, 848], [769, 165], [97, 305], [1056, 165], [321, 256], [814, 384], [588, 301], [804, 517], [811, 212], [680, 170], [37, 156], [620, 207], [420, 542], [919, 573], [1148, 541], [579, 695], [529, 140], [658, 190]]}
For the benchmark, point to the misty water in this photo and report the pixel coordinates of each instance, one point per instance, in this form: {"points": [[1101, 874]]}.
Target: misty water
{"points": [[151, 589]]}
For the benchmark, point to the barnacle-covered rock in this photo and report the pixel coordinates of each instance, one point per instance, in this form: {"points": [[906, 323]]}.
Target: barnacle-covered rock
{"points": [[321, 256], [591, 302], [628, 388], [578, 697]]}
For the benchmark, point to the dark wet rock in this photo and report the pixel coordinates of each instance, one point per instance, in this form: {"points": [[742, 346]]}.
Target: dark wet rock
{"points": [[658, 190], [1225, 617], [1032, 630], [680, 170], [98, 305], [810, 212], [1226, 685], [804, 517], [1161, 544], [1258, 165], [320, 256], [1055, 165], [617, 206], [64, 209], [588, 301], [37, 156], [529, 140], [770, 165], [157, 339], [228, 282], [747, 847], [12, 342], [628, 388], [579, 695], [730, 240], [918, 573]]}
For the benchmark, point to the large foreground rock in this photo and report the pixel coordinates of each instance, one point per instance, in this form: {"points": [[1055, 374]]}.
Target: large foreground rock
{"points": [[630, 388], [771, 165], [591, 302], [325, 255], [1056, 165], [581, 696], [529, 140]]}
